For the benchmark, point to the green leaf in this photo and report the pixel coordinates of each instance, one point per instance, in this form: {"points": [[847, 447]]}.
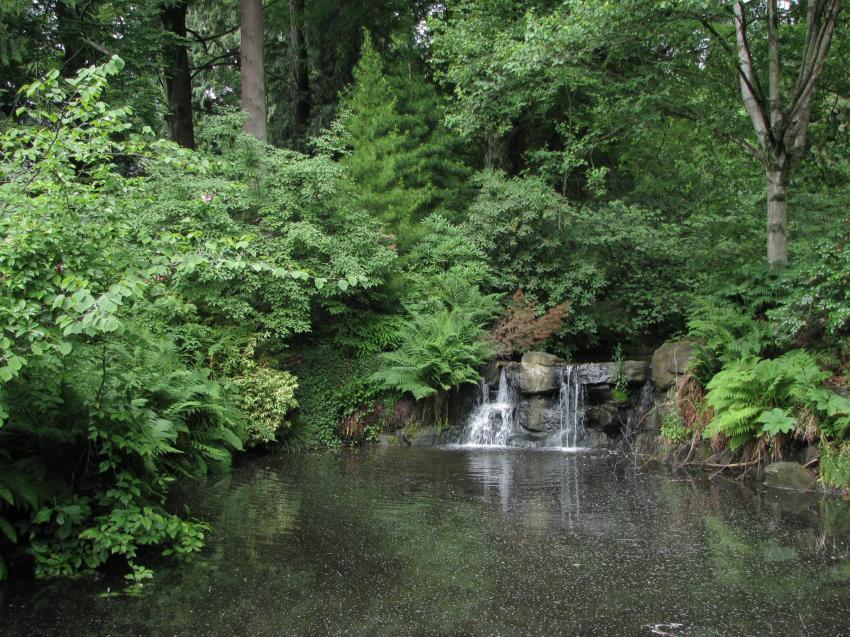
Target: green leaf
{"points": [[65, 348], [320, 283], [342, 284], [777, 421], [42, 516]]}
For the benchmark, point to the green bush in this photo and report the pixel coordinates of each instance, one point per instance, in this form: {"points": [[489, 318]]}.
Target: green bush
{"points": [[442, 346], [724, 334], [673, 428], [266, 397]]}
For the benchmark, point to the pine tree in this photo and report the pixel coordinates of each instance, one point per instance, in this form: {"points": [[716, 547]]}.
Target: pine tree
{"points": [[401, 158]]}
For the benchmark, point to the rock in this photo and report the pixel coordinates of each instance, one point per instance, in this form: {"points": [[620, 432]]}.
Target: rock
{"points": [[594, 373], [605, 373], [538, 414], [670, 360], [421, 436], [809, 453], [540, 373], [490, 373], [605, 417], [598, 394], [541, 358], [461, 402], [388, 440], [595, 439], [636, 371], [788, 475]]}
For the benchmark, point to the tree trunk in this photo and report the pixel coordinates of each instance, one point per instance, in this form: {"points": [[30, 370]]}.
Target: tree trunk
{"points": [[252, 77], [69, 28], [777, 217], [300, 67], [178, 78], [496, 152]]}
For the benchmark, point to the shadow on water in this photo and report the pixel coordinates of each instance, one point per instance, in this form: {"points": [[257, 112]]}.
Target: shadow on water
{"points": [[477, 542]]}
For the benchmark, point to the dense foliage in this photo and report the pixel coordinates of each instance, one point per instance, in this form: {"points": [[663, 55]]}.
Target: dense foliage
{"points": [[446, 182]]}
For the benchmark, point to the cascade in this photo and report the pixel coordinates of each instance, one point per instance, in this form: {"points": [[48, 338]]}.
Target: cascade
{"points": [[496, 422], [640, 410], [492, 423], [571, 409]]}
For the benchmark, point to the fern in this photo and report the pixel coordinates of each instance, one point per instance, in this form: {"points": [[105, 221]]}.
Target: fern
{"points": [[438, 351], [754, 397], [725, 334]]}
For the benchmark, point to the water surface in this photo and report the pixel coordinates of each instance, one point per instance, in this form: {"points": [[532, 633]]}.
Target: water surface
{"points": [[477, 542]]}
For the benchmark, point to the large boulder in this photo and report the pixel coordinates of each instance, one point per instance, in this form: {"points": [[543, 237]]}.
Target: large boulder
{"points": [[788, 475], [540, 373], [538, 414], [669, 361], [605, 373]]}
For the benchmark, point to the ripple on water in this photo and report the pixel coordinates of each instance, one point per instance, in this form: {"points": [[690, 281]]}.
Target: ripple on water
{"points": [[479, 542]]}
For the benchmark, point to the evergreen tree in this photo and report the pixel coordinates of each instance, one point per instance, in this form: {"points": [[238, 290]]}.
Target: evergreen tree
{"points": [[401, 158]]}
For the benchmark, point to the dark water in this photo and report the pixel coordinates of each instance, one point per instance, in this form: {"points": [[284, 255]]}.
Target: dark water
{"points": [[478, 542]]}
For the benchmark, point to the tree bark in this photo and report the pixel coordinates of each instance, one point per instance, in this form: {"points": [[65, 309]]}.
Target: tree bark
{"points": [[300, 66], [69, 27], [252, 76], [777, 217], [178, 78]]}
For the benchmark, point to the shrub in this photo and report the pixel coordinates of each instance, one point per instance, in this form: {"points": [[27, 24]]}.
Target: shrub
{"points": [[724, 334], [440, 347], [520, 329], [266, 396], [673, 427]]}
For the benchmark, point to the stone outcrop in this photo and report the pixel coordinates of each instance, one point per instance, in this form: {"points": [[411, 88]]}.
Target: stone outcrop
{"points": [[669, 361], [539, 373], [635, 373]]}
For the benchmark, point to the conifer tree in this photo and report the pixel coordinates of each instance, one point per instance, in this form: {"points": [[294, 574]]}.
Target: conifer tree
{"points": [[402, 159]]}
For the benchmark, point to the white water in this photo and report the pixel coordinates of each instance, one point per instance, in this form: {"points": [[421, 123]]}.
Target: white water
{"points": [[492, 423], [571, 408]]}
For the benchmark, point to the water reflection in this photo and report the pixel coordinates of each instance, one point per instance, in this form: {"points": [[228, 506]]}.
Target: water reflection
{"points": [[478, 542]]}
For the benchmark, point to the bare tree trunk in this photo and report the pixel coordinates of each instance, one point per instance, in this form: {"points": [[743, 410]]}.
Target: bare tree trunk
{"points": [[69, 27], [300, 67], [777, 217], [252, 76], [178, 79], [496, 152]]}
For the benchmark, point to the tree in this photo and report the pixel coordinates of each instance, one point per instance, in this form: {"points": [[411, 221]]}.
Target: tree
{"points": [[252, 77], [178, 80], [598, 58], [781, 128], [300, 68]]}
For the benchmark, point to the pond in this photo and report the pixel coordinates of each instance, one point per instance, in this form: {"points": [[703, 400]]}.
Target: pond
{"points": [[478, 542]]}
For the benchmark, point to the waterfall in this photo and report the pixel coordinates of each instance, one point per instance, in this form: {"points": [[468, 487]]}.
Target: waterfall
{"points": [[640, 410], [571, 408], [492, 423]]}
